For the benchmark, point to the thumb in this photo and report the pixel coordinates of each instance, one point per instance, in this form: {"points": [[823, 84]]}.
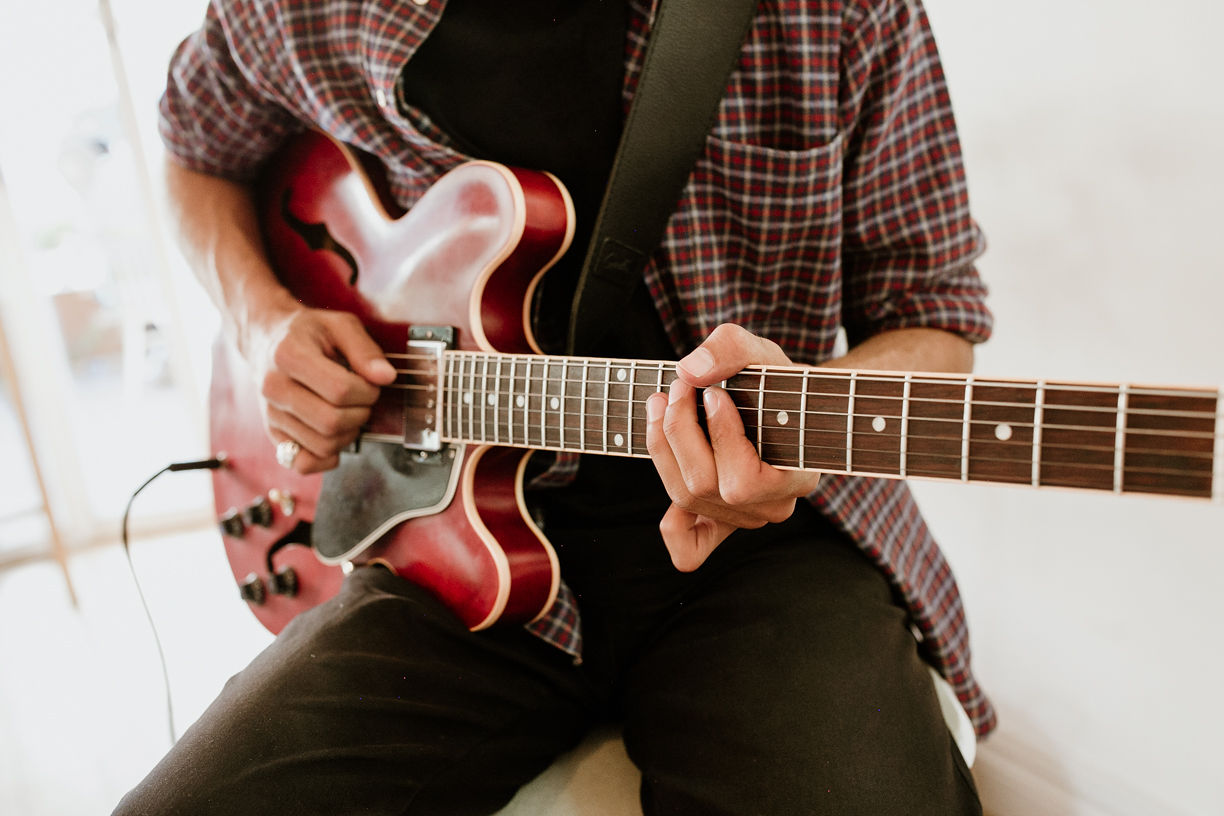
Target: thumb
{"points": [[363, 355]]}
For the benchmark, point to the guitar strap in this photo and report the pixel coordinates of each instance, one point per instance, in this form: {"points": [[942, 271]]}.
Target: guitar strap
{"points": [[694, 45]]}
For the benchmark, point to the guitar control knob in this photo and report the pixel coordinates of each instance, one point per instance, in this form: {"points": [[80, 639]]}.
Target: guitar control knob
{"points": [[259, 513], [284, 582], [252, 590], [231, 523]]}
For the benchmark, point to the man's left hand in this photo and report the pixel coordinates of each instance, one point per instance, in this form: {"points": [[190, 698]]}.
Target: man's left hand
{"points": [[717, 483]]}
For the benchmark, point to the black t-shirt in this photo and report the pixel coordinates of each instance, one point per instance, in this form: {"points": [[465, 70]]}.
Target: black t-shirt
{"points": [[538, 84]]}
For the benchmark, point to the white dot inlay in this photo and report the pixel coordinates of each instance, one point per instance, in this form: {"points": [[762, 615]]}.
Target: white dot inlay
{"points": [[618, 440], [621, 375], [1003, 432], [554, 403], [519, 401], [467, 397], [783, 417], [492, 399], [878, 424]]}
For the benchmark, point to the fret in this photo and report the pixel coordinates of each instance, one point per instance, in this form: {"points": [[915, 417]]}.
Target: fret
{"points": [[776, 417], [877, 424], [1079, 436], [905, 411], [630, 407], [448, 398], [573, 404], [559, 403], [520, 396], [965, 429], [582, 410], [1001, 432], [618, 408], [469, 399], [1038, 420], [607, 389], [484, 398], [1120, 439], [1171, 442], [850, 422], [934, 445], [760, 424]]}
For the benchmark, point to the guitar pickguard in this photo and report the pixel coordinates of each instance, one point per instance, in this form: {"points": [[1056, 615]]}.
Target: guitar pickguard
{"points": [[372, 492]]}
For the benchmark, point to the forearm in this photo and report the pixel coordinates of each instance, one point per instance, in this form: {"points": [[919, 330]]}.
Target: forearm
{"points": [[913, 349], [219, 234]]}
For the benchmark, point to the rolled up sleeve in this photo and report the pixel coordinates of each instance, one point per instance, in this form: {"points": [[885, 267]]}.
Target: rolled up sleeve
{"points": [[214, 115], [910, 243]]}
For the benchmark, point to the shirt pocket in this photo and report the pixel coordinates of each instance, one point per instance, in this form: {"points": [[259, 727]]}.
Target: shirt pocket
{"points": [[756, 240]]}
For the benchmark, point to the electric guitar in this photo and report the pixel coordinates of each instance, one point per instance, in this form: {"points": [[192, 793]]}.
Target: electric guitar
{"points": [[434, 488]]}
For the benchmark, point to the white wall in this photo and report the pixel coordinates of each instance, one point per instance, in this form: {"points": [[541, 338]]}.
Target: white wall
{"points": [[1092, 131]]}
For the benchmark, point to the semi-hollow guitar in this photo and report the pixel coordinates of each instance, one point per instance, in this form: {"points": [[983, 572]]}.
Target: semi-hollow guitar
{"points": [[434, 487]]}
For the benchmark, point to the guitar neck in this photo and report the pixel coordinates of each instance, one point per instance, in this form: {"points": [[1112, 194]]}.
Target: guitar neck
{"points": [[1119, 438]]}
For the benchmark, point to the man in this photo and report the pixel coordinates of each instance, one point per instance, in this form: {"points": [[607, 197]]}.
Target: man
{"points": [[762, 654]]}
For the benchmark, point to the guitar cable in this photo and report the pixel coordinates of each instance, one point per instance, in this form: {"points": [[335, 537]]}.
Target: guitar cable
{"points": [[175, 467]]}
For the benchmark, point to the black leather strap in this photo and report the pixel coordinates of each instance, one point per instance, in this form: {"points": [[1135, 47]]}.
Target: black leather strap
{"points": [[694, 45]]}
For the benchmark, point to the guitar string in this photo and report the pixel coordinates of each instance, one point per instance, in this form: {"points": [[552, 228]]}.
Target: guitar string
{"points": [[978, 384], [956, 423], [836, 375], [913, 417]]}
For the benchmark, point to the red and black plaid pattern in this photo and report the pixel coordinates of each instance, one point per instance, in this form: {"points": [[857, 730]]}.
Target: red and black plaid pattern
{"points": [[830, 196]]}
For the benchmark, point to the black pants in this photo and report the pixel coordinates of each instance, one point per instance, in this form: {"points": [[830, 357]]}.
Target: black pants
{"points": [[780, 678]]}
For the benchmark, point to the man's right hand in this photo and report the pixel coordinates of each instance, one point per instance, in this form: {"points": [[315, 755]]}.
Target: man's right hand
{"points": [[318, 374], [317, 371]]}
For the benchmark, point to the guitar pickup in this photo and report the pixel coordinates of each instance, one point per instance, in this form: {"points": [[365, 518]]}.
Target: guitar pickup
{"points": [[422, 395]]}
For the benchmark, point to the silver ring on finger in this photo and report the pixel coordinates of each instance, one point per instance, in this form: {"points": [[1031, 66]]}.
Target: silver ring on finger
{"points": [[286, 453]]}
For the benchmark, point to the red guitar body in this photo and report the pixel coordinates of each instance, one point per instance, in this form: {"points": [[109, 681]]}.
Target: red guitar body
{"points": [[468, 257]]}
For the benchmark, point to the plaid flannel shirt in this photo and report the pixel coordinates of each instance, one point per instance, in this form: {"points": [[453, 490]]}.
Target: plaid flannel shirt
{"points": [[830, 195]]}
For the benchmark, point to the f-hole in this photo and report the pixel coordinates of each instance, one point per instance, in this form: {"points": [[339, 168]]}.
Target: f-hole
{"points": [[316, 236]]}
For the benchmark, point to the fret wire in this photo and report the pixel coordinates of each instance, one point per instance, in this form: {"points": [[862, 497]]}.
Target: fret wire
{"points": [[965, 430], [632, 384], [496, 395], [802, 418], [561, 404], [1038, 430], [850, 423], [904, 427], [446, 407], [607, 388], [544, 405], [761, 414], [1120, 439], [527, 399], [582, 409], [470, 400]]}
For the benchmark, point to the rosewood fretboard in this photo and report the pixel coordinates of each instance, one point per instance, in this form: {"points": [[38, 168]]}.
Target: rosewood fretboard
{"points": [[1120, 438]]}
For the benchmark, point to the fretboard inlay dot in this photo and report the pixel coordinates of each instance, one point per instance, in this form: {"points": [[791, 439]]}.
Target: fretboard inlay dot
{"points": [[879, 424]]}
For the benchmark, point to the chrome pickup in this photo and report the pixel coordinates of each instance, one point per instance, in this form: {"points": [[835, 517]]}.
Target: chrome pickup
{"points": [[422, 397]]}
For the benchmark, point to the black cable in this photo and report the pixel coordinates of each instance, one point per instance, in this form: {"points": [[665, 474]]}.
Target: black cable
{"points": [[175, 467]]}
